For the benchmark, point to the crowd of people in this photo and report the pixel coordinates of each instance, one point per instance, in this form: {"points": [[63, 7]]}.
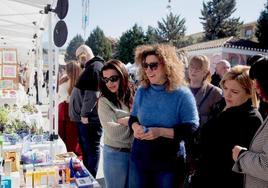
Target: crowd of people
{"points": [[173, 127]]}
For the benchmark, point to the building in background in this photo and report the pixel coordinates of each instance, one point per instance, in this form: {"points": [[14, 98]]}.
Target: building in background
{"points": [[235, 50], [247, 31]]}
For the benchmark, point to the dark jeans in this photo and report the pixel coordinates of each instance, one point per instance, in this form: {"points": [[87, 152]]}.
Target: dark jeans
{"points": [[89, 139], [154, 177], [156, 164]]}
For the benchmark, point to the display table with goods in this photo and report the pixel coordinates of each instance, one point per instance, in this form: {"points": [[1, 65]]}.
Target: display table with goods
{"points": [[25, 153], [65, 171], [12, 96], [26, 118], [8, 97], [23, 131]]}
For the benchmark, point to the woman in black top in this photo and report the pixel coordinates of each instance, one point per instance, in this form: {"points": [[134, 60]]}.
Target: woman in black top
{"points": [[220, 134]]}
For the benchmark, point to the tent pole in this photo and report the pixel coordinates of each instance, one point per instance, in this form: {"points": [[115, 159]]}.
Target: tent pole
{"points": [[55, 93], [50, 85]]}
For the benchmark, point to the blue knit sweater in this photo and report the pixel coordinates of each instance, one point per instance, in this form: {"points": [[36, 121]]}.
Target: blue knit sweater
{"points": [[155, 107]]}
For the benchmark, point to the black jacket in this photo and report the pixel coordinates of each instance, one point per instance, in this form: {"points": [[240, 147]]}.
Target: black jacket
{"points": [[234, 126], [215, 80], [85, 93]]}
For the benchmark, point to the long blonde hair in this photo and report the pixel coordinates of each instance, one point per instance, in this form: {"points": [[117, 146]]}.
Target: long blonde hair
{"points": [[174, 68]]}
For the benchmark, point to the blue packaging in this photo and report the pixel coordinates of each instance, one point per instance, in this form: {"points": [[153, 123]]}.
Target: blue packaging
{"points": [[5, 182]]}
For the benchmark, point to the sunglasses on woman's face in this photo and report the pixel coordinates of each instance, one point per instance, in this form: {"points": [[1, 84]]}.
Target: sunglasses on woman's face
{"points": [[152, 66], [113, 78]]}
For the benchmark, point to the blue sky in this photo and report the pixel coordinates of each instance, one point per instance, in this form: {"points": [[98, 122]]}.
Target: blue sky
{"points": [[117, 16]]}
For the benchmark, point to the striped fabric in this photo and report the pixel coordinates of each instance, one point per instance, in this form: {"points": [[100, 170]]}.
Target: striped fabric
{"points": [[254, 163]]}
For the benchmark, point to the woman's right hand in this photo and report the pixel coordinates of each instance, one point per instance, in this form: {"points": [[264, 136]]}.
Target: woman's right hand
{"points": [[236, 150], [138, 130], [123, 121]]}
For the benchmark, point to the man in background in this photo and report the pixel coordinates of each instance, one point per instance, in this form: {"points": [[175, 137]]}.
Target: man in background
{"points": [[83, 55], [222, 67], [82, 107]]}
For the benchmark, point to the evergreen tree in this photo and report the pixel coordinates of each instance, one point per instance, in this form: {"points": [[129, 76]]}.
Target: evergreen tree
{"points": [[128, 42], [151, 35], [262, 28], [216, 19], [171, 29], [72, 46], [99, 44], [114, 44]]}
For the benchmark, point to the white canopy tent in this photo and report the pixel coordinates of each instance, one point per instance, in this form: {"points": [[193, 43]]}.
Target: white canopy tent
{"points": [[22, 26]]}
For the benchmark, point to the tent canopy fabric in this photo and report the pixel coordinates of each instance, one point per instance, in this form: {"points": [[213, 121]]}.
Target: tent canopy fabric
{"points": [[22, 22], [22, 25]]}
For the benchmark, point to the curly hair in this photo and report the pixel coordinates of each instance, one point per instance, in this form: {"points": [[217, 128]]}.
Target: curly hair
{"points": [[174, 67]]}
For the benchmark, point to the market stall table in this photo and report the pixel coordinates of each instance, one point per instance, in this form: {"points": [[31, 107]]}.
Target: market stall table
{"points": [[58, 144]]}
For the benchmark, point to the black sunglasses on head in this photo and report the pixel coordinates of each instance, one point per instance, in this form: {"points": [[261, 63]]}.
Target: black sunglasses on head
{"points": [[153, 65], [113, 78]]}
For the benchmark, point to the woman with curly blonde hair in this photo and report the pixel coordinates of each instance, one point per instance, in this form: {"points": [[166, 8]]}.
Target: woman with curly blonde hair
{"points": [[164, 113], [174, 68]]}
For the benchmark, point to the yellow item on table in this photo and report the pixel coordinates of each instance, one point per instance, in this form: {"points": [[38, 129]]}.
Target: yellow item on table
{"points": [[15, 160]]}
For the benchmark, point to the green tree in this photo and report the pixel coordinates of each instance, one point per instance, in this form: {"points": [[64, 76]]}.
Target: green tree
{"points": [[151, 35], [114, 43], [171, 29], [216, 19], [72, 46], [128, 42], [99, 44], [262, 28]]}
